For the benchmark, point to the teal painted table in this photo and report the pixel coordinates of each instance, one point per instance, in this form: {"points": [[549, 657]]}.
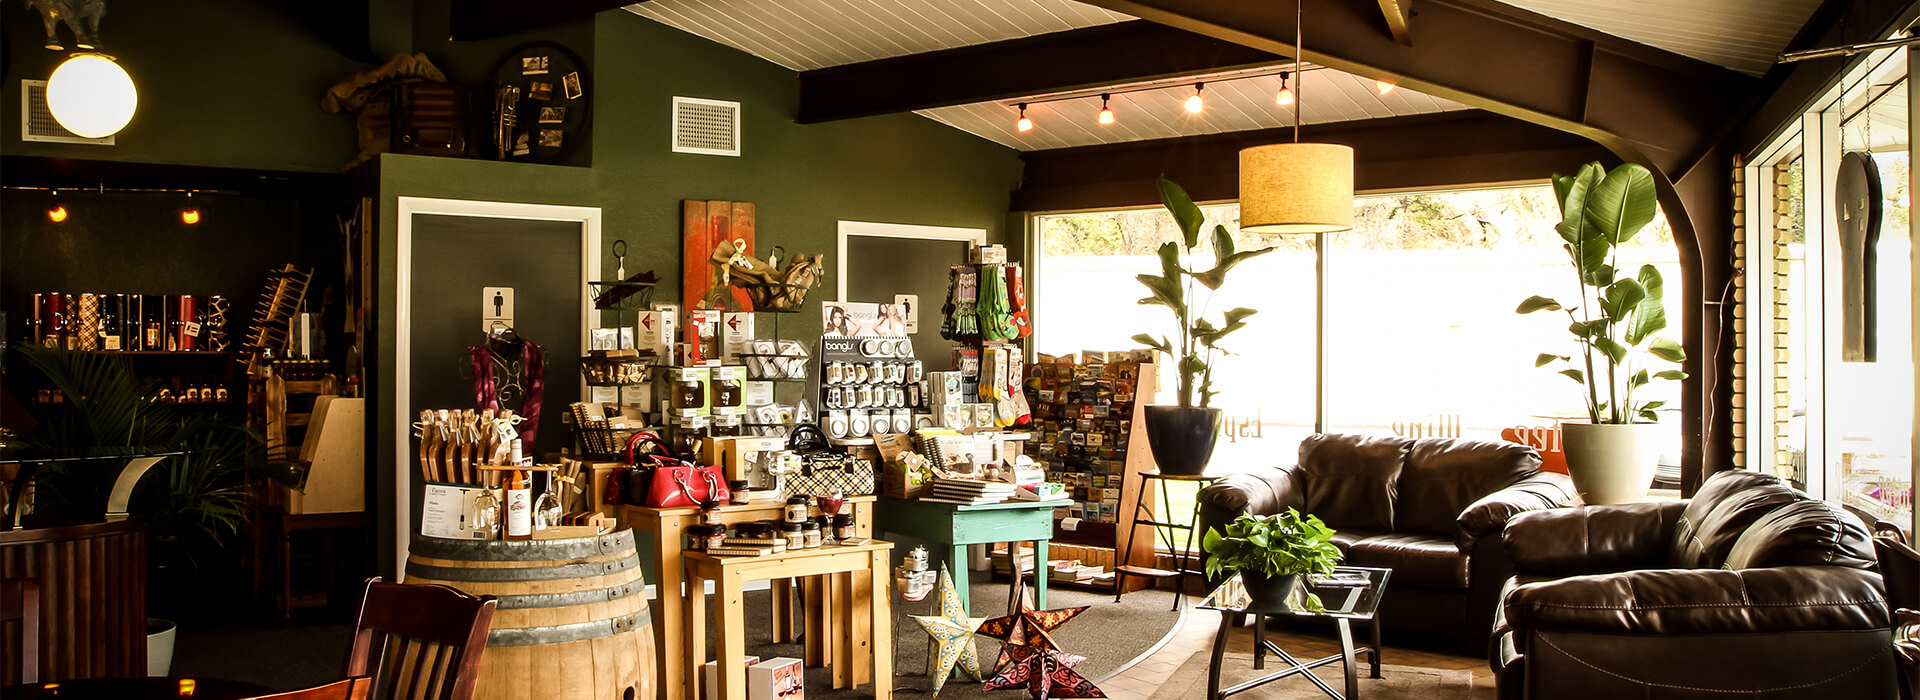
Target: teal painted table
{"points": [[958, 526]]}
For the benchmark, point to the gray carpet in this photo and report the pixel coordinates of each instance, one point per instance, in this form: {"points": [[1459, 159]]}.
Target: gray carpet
{"points": [[1398, 683], [1109, 634]]}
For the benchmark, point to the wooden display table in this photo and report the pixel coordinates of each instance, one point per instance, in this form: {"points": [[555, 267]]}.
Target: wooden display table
{"points": [[959, 526], [666, 529], [866, 599]]}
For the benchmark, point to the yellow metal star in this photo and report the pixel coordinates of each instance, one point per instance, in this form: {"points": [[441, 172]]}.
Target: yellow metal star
{"points": [[952, 633]]}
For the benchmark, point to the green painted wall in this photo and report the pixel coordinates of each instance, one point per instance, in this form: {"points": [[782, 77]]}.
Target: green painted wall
{"points": [[803, 179], [233, 83]]}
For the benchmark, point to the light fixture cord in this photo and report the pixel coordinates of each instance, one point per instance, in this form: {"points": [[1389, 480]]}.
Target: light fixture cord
{"points": [[1299, 93]]}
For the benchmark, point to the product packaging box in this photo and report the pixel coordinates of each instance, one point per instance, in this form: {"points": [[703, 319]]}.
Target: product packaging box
{"points": [[727, 388], [657, 331], [988, 255], [736, 337], [703, 348], [687, 391]]}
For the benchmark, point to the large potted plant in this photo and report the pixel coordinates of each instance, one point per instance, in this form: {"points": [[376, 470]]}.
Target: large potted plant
{"points": [[1614, 325], [1182, 436], [1271, 552]]}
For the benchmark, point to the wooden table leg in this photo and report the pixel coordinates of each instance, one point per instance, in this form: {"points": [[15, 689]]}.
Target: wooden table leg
{"points": [[811, 590], [782, 610], [1040, 572], [879, 606], [729, 620], [670, 657], [839, 655], [692, 636], [859, 645], [957, 565]]}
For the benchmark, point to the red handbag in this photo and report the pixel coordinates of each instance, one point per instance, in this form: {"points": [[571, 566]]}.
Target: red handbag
{"points": [[661, 481]]}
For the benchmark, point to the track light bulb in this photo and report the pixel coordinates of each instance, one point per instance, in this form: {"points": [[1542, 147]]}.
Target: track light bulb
{"points": [[1194, 103], [1024, 125], [1106, 112], [1285, 96], [189, 216], [57, 214], [1383, 86]]}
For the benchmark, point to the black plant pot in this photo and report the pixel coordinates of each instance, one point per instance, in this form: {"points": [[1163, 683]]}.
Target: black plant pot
{"points": [[1182, 438], [1268, 592]]}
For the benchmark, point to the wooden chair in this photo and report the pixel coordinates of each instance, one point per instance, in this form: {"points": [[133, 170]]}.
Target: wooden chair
{"points": [[20, 606], [350, 689], [420, 642]]}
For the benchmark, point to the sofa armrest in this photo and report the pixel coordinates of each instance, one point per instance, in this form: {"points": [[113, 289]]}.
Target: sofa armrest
{"points": [[1261, 492], [1592, 539], [1705, 601], [1490, 514]]}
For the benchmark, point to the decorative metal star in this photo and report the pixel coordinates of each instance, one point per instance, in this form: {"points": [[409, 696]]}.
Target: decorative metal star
{"points": [[1029, 656], [952, 633]]}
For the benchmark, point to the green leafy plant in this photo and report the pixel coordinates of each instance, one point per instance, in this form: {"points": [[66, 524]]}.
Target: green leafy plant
{"points": [[1174, 288], [1275, 545], [1616, 319], [194, 502]]}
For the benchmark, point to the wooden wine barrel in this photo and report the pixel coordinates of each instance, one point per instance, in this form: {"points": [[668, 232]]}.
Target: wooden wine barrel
{"points": [[572, 622]]}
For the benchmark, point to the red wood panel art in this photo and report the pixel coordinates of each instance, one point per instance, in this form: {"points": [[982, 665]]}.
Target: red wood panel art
{"points": [[703, 225]]}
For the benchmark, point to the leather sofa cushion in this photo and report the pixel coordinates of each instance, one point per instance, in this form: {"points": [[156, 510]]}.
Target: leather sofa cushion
{"points": [[1804, 533], [1443, 476], [1417, 560], [1727, 503], [1350, 479]]}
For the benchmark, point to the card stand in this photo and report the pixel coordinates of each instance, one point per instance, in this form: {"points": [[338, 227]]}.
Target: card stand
{"points": [[600, 443], [775, 367]]}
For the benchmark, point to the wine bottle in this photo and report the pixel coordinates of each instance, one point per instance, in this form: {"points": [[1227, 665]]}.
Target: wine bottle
{"points": [[519, 506]]}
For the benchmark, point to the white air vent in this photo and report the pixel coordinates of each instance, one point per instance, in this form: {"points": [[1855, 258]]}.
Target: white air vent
{"points": [[36, 121], [708, 127]]}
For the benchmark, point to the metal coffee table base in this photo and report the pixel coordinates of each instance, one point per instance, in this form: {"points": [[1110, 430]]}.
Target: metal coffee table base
{"points": [[1261, 646]]}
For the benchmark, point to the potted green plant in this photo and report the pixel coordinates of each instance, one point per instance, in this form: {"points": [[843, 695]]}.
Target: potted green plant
{"points": [[1614, 325], [1182, 436], [1271, 552]]}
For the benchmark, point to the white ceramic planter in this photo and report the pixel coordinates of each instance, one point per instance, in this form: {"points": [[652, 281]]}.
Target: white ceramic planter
{"points": [[1611, 463], [160, 635]]}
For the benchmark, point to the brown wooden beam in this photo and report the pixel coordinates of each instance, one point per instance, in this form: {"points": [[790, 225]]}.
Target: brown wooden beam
{"points": [[1125, 52], [1792, 88], [1644, 104], [1399, 15], [1433, 151], [485, 19]]}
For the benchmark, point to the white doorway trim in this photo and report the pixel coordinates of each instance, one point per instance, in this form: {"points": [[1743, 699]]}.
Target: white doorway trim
{"points": [[976, 236], [407, 208]]}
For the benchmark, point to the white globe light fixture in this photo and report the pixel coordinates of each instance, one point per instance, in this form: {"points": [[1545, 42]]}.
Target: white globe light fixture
{"points": [[91, 95]]}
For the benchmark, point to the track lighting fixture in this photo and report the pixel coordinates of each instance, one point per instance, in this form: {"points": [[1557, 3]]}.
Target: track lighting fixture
{"points": [[1024, 125], [1106, 112], [189, 215], [1194, 104], [1285, 95]]}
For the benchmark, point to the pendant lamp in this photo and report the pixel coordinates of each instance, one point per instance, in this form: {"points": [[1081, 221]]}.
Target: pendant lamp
{"points": [[1296, 187]]}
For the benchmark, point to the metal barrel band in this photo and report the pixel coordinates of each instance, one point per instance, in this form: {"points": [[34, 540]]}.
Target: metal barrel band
{"points": [[561, 634], [539, 573], [561, 600], [523, 550]]}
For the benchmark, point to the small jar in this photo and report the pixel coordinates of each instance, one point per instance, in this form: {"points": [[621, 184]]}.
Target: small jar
{"points": [[716, 536], [796, 510], [697, 538], [796, 538], [710, 513], [810, 534], [758, 530], [737, 492], [843, 527]]}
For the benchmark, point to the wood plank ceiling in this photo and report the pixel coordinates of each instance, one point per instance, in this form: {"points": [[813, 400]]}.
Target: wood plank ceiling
{"points": [[804, 35]]}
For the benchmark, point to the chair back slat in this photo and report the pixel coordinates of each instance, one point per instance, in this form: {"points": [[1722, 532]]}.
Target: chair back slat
{"points": [[359, 688], [420, 642]]}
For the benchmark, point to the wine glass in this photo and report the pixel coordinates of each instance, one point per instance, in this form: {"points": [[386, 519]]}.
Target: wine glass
{"points": [[829, 506]]}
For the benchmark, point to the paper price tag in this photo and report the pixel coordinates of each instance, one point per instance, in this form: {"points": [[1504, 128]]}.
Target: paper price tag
{"points": [[193, 330]]}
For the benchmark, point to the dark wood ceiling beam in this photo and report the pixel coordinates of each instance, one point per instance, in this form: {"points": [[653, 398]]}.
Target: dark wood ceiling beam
{"points": [[1399, 15], [1430, 151], [485, 19], [1793, 88], [1646, 105], [1126, 52]]}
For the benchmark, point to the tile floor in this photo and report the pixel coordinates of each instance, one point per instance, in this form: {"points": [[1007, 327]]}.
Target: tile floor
{"points": [[1140, 680]]}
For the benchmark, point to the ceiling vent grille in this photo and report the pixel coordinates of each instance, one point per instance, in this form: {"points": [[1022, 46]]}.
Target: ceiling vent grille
{"points": [[707, 127], [36, 120]]}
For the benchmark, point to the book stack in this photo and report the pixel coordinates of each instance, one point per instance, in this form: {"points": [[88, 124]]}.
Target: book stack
{"points": [[968, 491]]}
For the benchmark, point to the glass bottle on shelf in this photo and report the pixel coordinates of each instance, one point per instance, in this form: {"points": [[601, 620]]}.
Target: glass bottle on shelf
{"points": [[519, 506]]}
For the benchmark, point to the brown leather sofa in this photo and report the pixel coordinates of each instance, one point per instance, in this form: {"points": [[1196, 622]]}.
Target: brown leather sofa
{"points": [[1430, 509], [1749, 589]]}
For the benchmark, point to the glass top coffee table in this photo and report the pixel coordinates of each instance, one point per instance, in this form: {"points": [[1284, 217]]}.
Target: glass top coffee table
{"points": [[1352, 593]]}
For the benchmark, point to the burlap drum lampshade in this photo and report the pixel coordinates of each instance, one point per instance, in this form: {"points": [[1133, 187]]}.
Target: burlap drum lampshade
{"points": [[1296, 188]]}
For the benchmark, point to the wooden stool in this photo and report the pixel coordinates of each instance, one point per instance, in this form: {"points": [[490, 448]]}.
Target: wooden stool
{"points": [[854, 579]]}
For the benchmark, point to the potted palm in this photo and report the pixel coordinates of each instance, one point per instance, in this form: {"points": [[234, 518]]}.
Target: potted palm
{"points": [[1614, 325], [1271, 552], [1182, 436]]}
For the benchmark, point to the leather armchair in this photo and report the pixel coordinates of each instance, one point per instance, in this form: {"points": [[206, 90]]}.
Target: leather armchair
{"points": [[1749, 589], [1430, 509]]}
